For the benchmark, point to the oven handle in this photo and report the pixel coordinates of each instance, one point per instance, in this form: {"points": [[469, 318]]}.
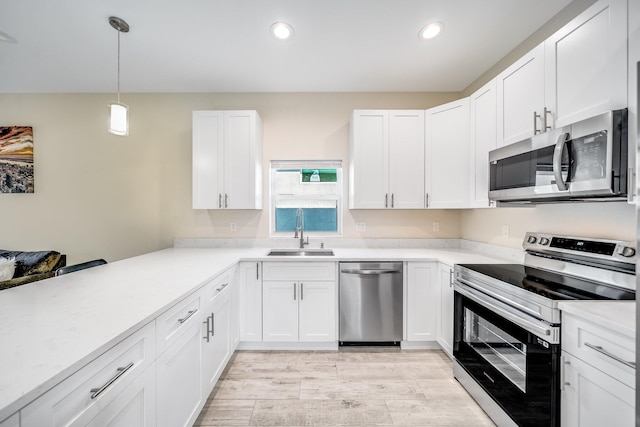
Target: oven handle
{"points": [[480, 299], [502, 299]]}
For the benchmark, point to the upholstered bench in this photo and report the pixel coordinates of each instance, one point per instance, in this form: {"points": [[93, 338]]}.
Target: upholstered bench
{"points": [[31, 266]]}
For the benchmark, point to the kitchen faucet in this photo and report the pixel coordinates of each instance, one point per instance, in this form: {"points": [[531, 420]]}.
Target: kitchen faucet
{"points": [[300, 227]]}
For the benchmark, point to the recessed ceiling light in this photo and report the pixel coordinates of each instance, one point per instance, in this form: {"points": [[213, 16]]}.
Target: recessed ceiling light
{"points": [[281, 31], [431, 30]]}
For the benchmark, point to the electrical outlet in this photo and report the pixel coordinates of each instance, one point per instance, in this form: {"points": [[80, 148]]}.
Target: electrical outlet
{"points": [[361, 227], [505, 231], [436, 226], [233, 226]]}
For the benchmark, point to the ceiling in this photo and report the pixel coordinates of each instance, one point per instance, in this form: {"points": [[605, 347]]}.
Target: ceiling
{"points": [[225, 45]]}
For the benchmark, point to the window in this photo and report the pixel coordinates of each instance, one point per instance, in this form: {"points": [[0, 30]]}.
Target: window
{"points": [[313, 186]]}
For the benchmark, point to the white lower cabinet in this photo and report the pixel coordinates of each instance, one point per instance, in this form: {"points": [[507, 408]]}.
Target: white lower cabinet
{"points": [[83, 396], [598, 374], [135, 406], [445, 308], [299, 302], [179, 380], [250, 301], [216, 331], [590, 398], [422, 301]]}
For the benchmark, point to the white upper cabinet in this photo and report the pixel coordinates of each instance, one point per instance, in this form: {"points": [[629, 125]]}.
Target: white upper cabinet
{"points": [[386, 159], [227, 160], [586, 64], [520, 90], [577, 73], [447, 155], [483, 128]]}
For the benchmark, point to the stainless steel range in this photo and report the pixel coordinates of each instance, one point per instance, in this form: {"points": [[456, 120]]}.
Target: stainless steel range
{"points": [[507, 323]]}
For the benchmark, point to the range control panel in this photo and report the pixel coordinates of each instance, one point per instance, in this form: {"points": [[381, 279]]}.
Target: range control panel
{"points": [[593, 248]]}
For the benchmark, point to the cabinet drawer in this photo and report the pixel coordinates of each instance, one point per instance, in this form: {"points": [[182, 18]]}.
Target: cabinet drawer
{"points": [[82, 396], [173, 322], [299, 271], [217, 286], [602, 348]]}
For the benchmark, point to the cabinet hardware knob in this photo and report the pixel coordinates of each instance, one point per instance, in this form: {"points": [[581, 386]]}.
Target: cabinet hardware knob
{"points": [[536, 116], [544, 119], [95, 392], [189, 314], [601, 350]]}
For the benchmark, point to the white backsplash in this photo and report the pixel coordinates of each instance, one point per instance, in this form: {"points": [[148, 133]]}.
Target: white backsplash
{"points": [[508, 254]]}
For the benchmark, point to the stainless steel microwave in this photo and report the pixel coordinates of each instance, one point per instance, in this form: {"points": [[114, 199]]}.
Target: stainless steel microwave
{"points": [[586, 160]]}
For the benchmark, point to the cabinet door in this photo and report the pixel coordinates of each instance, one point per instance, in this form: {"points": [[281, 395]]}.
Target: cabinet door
{"points": [[179, 380], [369, 159], [590, 398], [520, 91], [422, 301], [482, 109], [317, 311], [406, 159], [216, 340], [280, 311], [586, 64], [250, 301], [242, 160], [445, 312], [447, 155], [134, 407], [84, 395], [207, 128]]}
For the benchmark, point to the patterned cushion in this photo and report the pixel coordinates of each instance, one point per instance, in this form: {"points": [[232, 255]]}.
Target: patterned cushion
{"points": [[29, 263]]}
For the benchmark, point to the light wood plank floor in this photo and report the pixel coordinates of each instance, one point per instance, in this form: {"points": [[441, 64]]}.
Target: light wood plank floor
{"points": [[351, 387]]}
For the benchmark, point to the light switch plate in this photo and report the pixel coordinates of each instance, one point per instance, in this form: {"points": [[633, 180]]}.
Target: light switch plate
{"points": [[361, 227]]}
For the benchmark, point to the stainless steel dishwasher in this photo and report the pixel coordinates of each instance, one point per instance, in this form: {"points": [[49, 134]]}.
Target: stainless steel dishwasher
{"points": [[370, 302]]}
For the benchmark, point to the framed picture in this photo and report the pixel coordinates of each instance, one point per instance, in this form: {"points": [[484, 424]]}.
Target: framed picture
{"points": [[16, 159]]}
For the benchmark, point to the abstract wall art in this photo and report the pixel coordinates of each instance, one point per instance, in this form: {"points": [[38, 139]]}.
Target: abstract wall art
{"points": [[16, 159]]}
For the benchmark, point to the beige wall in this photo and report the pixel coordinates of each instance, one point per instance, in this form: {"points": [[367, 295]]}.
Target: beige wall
{"points": [[98, 195], [615, 220]]}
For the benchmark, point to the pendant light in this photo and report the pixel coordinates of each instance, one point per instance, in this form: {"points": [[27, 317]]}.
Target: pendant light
{"points": [[119, 118]]}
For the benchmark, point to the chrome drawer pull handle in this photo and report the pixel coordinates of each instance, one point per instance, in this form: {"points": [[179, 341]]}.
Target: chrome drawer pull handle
{"points": [[599, 349], [189, 314], [95, 392]]}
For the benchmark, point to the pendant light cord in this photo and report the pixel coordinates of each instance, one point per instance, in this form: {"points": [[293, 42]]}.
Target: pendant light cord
{"points": [[118, 67]]}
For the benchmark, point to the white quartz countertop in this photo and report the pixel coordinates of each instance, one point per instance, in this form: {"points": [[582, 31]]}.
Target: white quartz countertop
{"points": [[51, 328], [619, 316]]}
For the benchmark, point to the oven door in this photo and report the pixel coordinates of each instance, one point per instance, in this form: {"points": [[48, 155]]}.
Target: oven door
{"points": [[516, 367]]}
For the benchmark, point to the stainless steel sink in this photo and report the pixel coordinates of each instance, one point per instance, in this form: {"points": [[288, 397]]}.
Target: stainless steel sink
{"points": [[300, 252]]}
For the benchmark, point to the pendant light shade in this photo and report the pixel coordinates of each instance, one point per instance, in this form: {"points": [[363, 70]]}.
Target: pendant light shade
{"points": [[119, 119], [118, 112]]}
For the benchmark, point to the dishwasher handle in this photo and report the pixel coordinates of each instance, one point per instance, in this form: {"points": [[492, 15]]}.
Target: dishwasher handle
{"points": [[370, 272]]}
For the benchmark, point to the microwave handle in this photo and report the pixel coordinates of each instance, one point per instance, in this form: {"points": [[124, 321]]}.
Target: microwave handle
{"points": [[557, 161]]}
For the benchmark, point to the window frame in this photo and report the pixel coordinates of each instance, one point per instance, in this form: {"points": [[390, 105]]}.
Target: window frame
{"points": [[275, 165]]}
